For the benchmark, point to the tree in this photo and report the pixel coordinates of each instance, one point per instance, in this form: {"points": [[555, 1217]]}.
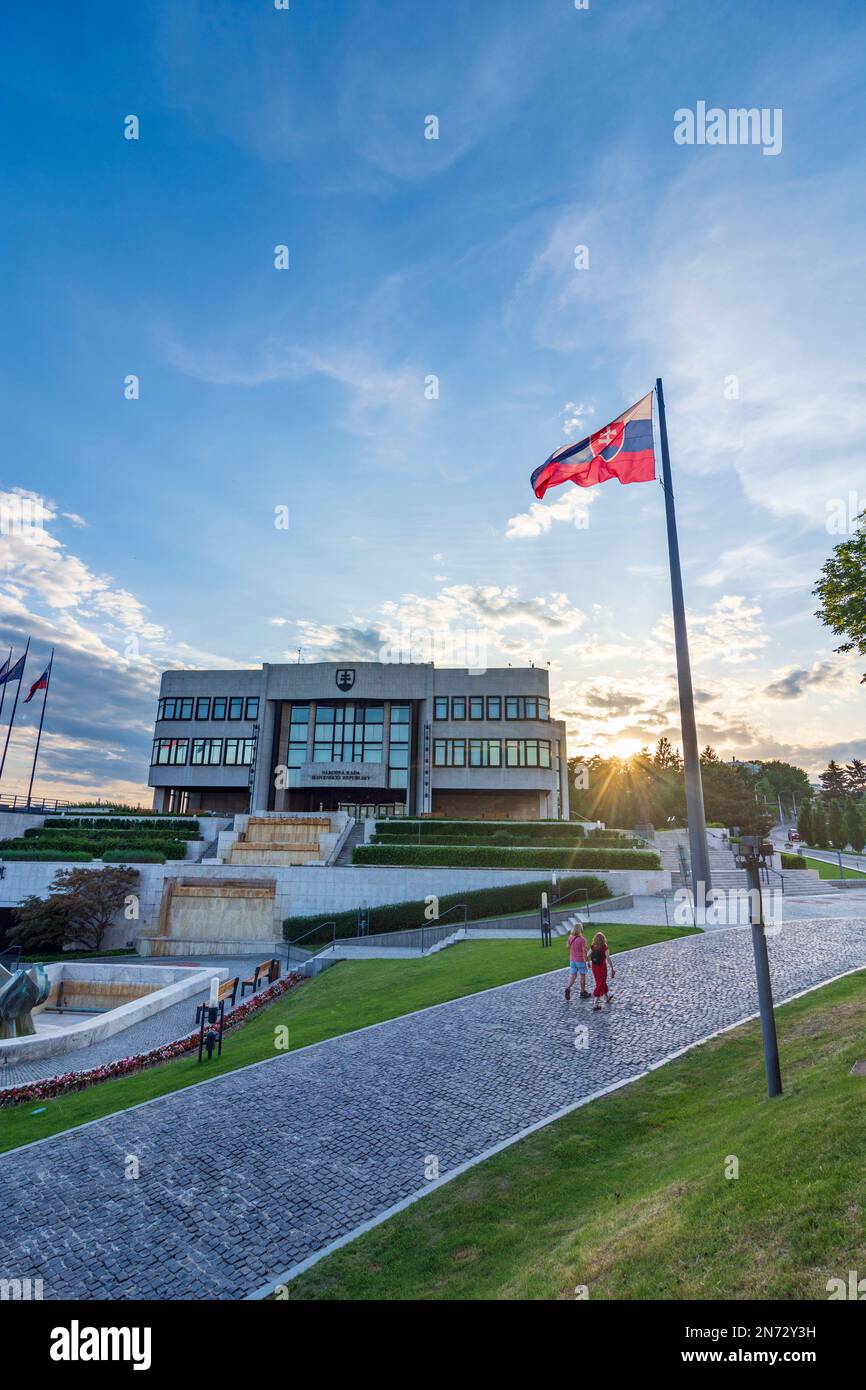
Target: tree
{"points": [[854, 827], [804, 823], [834, 781], [40, 925], [836, 825], [665, 757], [841, 591], [92, 897], [819, 827], [856, 771], [708, 756]]}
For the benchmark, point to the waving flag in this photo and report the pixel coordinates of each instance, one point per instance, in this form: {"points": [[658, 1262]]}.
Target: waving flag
{"points": [[41, 684], [12, 673], [623, 449]]}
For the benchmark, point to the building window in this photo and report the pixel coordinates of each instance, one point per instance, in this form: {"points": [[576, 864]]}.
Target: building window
{"points": [[348, 733], [494, 707], [440, 707], [398, 749], [252, 707], [239, 752], [526, 707], [206, 752], [173, 707], [461, 752], [527, 752], [476, 706], [202, 707], [236, 707], [218, 711], [458, 707], [169, 752]]}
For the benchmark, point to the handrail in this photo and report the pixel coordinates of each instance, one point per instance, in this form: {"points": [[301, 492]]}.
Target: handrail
{"points": [[573, 893], [320, 926]]}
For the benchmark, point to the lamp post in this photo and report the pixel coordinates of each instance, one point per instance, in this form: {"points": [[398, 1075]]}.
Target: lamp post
{"points": [[750, 854]]}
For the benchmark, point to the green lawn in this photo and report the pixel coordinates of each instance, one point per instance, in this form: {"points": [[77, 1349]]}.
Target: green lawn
{"points": [[827, 870], [628, 1196], [348, 996]]}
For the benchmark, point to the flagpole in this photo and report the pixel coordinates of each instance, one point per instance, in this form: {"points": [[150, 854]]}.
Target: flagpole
{"points": [[5, 683], [700, 861], [14, 707], [41, 722]]}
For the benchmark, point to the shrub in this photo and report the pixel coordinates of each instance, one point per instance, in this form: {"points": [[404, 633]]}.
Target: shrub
{"points": [[496, 857], [793, 861], [481, 902], [151, 825], [45, 855], [134, 856]]}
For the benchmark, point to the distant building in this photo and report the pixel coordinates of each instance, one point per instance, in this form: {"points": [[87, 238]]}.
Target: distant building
{"points": [[372, 738]]}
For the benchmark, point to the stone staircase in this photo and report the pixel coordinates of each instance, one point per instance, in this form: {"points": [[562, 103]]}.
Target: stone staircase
{"points": [[723, 867], [354, 837]]}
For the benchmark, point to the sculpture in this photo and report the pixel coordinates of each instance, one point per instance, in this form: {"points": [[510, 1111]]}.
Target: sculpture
{"points": [[20, 992]]}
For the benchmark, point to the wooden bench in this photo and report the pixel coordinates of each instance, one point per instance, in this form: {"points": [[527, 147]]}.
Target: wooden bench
{"points": [[267, 970], [228, 989]]}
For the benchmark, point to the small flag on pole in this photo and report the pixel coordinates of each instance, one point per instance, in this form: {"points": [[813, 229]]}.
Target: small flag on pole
{"points": [[11, 673], [623, 449], [41, 684]]}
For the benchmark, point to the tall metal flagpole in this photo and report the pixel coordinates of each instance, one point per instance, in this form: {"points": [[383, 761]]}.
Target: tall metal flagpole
{"points": [[41, 722], [14, 707], [5, 683], [700, 860]]}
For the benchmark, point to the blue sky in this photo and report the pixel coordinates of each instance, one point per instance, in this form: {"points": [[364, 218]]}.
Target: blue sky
{"points": [[409, 258]]}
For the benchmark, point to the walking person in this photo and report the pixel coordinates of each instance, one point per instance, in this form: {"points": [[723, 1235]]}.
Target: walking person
{"points": [[577, 952], [600, 959]]}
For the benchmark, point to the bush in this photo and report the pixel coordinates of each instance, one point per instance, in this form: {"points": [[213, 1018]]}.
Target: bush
{"points": [[475, 832], [135, 856], [793, 861], [45, 855], [495, 857], [151, 825], [481, 902]]}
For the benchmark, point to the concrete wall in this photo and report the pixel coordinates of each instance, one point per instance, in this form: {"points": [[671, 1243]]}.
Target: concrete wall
{"points": [[314, 889]]}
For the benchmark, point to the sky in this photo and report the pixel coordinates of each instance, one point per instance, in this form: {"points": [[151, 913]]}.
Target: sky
{"points": [[335, 456]]}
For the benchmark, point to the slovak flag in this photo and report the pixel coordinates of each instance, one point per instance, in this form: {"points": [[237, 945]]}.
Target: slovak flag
{"points": [[623, 449], [41, 684]]}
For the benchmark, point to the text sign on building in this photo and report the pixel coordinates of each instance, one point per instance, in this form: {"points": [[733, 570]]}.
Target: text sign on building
{"points": [[343, 775]]}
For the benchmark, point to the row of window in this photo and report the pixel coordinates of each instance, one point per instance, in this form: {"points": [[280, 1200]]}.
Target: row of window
{"points": [[474, 706], [205, 752], [491, 752], [209, 707]]}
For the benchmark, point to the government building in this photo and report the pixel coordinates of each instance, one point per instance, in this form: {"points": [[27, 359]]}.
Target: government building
{"points": [[371, 738]]}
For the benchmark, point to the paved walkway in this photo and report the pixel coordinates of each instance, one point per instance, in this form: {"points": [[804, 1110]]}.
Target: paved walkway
{"points": [[245, 1177]]}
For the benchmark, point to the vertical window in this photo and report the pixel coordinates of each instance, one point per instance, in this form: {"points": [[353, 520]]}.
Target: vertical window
{"points": [[494, 707], [218, 710], [530, 707], [439, 752], [202, 707], [543, 709], [512, 706], [236, 707], [440, 707], [252, 707], [458, 707], [476, 706]]}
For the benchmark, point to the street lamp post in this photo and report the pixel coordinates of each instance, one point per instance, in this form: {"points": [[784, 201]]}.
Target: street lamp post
{"points": [[749, 847]]}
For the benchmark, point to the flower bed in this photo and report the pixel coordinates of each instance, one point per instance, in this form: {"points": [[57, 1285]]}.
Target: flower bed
{"points": [[54, 1086]]}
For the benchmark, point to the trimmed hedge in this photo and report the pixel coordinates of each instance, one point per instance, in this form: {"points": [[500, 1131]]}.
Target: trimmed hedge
{"points": [[151, 825], [135, 856], [793, 861], [400, 828], [482, 903], [496, 857], [45, 855]]}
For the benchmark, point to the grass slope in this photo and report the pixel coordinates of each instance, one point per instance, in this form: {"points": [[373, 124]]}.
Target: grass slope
{"points": [[628, 1196], [824, 869], [348, 996]]}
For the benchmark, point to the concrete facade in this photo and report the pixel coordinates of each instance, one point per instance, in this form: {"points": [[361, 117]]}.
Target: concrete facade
{"points": [[370, 738]]}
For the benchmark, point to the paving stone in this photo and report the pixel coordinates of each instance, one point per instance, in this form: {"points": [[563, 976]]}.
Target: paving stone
{"points": [[244, 1177]]}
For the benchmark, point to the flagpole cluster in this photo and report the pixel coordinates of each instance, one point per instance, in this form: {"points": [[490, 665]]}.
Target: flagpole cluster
{"points": [[10, 672]]}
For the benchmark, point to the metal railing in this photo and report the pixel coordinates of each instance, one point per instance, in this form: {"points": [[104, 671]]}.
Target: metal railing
{"points": [[425, 936]]}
